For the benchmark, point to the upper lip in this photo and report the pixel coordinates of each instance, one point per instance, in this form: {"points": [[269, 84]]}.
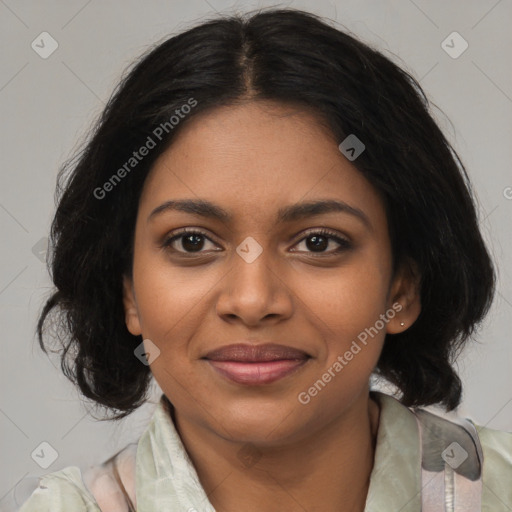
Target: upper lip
{"points": [[255, 353]]}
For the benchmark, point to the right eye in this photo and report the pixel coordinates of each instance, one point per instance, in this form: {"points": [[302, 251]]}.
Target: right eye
{"points": [[189, 239]]}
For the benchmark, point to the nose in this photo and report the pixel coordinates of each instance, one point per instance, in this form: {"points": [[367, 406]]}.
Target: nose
{"points": [[256, 291]]}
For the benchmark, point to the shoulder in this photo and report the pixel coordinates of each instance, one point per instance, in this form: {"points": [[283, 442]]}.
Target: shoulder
{"points": [[477, 452], [482, 452], [452, 447], [61, 491], [497, 467], [497, 445], [107, 487]]}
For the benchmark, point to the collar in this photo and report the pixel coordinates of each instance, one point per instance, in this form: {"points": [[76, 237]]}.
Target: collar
{"points": [[395, 481], [166, 478]]}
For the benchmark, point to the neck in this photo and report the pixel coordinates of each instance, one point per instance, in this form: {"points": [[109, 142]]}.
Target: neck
{"points": [[328, 470]]}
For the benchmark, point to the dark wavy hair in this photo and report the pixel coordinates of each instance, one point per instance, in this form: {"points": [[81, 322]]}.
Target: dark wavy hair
{"points": [[290, 57]]}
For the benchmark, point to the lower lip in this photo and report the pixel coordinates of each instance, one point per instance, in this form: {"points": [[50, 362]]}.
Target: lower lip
{"points": [[257, 373]]}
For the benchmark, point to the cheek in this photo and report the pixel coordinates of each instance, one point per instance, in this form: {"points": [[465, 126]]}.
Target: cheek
{"points": [[345, 307], [168, 297], [346, 300]]}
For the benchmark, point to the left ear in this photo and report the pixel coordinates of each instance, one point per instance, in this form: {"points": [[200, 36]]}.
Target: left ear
{"points": [[130, 308], [404, 298]]}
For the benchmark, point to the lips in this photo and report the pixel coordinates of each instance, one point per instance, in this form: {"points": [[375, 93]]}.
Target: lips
{"points": [[256, 364], [255, 353]]}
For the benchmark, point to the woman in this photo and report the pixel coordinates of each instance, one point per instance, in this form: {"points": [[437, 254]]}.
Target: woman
{"points": [[266, 216]]}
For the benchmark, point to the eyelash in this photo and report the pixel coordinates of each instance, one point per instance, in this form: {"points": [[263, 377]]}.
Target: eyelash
{"points": [[344, 244]]}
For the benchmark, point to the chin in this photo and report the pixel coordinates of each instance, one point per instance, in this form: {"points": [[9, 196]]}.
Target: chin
{"points": [[260, 422]]}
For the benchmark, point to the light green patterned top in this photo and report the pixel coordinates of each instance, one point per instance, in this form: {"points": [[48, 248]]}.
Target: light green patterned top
{"points": [[165, 479]]}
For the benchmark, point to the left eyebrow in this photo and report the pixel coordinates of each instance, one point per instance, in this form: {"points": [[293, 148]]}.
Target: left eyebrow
{"points": [[289, 213], [309, 209]]}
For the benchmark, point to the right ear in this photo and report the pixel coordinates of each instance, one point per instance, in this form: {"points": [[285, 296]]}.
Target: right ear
{"points": [[131, 313]]}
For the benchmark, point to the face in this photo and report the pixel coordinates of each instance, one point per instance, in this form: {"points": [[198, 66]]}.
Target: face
{"points": [[316, 282]]}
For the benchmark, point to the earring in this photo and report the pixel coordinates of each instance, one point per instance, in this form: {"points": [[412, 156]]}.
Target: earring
{"points": [[402, 324]]}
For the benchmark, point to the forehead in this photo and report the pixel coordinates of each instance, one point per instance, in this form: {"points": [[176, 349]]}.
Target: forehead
{"points": [[252, 159]]}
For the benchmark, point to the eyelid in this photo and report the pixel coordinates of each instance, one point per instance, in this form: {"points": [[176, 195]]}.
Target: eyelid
{"points": [[324, 231]]}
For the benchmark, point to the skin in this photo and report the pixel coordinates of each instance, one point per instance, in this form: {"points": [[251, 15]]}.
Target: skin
{"points": [[252, 159]]}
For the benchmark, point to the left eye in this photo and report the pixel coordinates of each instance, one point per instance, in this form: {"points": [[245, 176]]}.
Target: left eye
{"points": [[320, 240], [192, 241]]}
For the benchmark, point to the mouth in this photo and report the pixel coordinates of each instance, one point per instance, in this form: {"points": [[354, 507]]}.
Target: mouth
{"points": [[256, 364]]}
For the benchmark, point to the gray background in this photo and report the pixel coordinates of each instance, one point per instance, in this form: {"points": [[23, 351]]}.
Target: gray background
{"points": [[47, 105]]}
